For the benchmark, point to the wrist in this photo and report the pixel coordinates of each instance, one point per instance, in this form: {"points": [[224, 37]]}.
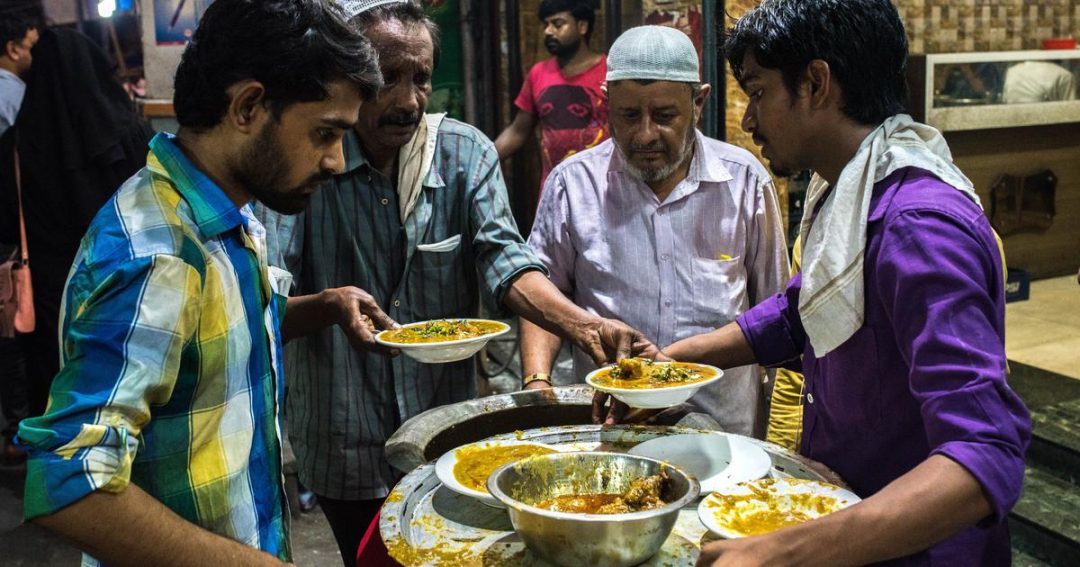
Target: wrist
{"points": [[542, 377]]}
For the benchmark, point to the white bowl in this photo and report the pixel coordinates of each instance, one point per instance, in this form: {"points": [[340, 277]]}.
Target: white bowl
{"points": [[707, 510], [716, 459], [444, 351], [654, 398], [444, 470]]}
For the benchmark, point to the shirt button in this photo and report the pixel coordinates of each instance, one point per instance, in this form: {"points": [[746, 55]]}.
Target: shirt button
{"points": [[397, 303], [664, 257], [385, 201], [809, 398], [667, 303]]}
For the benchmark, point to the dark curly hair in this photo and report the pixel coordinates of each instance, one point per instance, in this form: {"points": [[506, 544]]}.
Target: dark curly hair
{"points": [[863, 42], [18, 17], [295, 48], [581, 10]]}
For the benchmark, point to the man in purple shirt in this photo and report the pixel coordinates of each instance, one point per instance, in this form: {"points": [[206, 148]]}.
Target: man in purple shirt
{"points": [[898, 312]]}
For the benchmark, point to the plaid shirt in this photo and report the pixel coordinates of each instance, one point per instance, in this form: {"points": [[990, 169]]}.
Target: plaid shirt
{"points": [[459, 244], [170, 361]]}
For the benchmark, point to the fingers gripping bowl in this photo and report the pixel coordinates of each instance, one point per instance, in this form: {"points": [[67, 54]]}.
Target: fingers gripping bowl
{"points": [[442, 340], [601, 539], [643, 383]]}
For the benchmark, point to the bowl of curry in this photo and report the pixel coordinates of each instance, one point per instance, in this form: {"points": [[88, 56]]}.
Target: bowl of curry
{"points": [[465, 470], [442, 340], [593, 508], [644, 383], [769, 504]]}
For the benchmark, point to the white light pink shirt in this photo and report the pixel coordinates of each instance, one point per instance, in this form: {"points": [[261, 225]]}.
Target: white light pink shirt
{"points": [[693, 263]]}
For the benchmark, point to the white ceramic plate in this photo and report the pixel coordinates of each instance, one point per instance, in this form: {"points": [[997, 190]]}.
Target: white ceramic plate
{"points": [[444, 469], [780, 490], [444, 351], [654, 398], [715, 459]]}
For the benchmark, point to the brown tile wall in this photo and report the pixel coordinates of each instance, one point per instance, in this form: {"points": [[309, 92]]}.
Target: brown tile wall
{"points": [[949, 26]]}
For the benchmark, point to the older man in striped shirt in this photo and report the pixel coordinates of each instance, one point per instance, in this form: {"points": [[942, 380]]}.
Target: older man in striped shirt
{"points": [[668, 230], [421, 222]]}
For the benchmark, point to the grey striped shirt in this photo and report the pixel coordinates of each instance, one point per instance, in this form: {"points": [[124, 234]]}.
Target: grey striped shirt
{"points": [[341, 404], [672, 270]]}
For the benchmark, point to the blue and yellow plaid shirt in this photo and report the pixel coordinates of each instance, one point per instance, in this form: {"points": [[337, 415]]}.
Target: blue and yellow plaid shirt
{"points": [[171, 361]]}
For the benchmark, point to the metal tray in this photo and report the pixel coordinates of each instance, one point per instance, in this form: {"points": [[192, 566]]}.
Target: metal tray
{"points": [[424, 523]]}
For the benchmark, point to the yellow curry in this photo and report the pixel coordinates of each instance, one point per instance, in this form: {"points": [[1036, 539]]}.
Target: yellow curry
{"points": [[642, 373], [764, 510], [442, 330], [475, 464]]}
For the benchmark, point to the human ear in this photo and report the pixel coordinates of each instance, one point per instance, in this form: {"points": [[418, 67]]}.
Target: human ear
{"points": [[247, 105]]}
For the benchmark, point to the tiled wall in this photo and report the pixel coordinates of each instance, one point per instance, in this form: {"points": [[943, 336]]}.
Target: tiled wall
{"points": [[948, 26]]}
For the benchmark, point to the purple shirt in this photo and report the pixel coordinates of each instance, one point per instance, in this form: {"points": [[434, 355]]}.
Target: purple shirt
{"points": [[925, 374]]}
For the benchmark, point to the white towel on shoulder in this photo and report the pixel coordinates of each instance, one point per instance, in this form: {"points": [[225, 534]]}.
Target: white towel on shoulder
{"points": [[831, 300]]}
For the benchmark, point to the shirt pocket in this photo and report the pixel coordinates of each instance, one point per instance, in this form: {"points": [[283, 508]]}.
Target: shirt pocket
{"points": [[440, 257], [718, 289]]}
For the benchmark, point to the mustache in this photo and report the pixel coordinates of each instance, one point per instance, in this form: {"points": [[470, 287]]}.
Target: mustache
{"points": [[759, 140], [656, 146], [400, 119]]}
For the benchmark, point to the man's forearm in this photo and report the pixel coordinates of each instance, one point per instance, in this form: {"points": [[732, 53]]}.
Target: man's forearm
{"points": [[725, 347], [132, 528], [539, 349], [933, 501], [533, 297], [307, 314]]}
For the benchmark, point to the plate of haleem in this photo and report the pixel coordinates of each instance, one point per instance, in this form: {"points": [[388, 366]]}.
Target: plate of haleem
{"points": [[442, 340], [645, 383], [769, 504]]}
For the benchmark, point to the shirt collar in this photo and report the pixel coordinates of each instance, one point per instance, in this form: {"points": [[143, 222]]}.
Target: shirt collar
{"points": [[703, 168], [9, 76], [211, 208], [355, 159]]}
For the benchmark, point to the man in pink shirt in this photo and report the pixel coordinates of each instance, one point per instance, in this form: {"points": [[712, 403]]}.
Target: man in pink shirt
{"points": [[562, 92]]}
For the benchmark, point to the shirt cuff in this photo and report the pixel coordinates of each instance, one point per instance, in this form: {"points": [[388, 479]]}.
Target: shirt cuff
{"points": [[1000, 471], [768, 332]]}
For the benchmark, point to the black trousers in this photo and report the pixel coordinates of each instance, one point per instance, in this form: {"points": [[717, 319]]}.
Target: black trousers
{"points": [[349, 519], [13, 403]]}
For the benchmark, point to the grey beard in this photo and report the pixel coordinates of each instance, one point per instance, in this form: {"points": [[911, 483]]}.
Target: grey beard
{"points": [[655, 174]]}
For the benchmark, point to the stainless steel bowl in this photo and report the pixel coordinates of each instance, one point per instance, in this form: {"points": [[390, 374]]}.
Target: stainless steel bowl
{"points": [[609, 540]]}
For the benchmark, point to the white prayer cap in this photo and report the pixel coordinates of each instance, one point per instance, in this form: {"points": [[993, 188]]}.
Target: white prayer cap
{"points": [[656, 53], [354, 7]]}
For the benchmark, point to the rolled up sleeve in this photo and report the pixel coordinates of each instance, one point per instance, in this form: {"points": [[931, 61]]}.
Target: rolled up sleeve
{"points": [[125, 330], [501, 252], [954, 345], [773, 327]]}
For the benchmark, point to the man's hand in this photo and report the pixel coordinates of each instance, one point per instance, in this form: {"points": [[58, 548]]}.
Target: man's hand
{"points": [[618, 412], [608, 340], [359, 315], [750, 552]]}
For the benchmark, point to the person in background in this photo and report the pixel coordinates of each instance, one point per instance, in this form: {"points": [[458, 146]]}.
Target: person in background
{"points": [[563, 92], [421, 223], [673, 232], [160, 444], [21, 22], [898, 311], [78, 139]]}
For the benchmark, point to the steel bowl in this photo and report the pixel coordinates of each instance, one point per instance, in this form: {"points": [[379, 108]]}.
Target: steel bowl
{"points": [[607, 540]]}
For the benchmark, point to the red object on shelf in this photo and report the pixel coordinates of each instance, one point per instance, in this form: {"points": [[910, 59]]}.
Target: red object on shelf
{"points": [[1059, 43]]}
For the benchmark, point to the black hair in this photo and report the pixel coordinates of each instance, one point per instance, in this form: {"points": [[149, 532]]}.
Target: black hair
{"points": [[295, 48], [407, 13], [863, 42], [17, 17], [581, 10]]}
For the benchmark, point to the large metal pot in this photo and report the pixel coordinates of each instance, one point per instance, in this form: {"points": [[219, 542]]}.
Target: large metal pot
{"points": [[602, 540]]}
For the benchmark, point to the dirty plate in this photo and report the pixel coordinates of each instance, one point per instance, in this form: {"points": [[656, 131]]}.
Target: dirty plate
{"points": [[446, 465], [715, 459], [769, 504]]}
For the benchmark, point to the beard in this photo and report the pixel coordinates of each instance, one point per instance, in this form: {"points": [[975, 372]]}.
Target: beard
{"points": [[264, 165], [656, 174], [562, 50]]}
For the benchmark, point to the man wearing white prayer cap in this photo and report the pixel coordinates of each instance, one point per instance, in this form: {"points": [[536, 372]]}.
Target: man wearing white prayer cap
{"points": [[666, 229], [419, 224]]}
